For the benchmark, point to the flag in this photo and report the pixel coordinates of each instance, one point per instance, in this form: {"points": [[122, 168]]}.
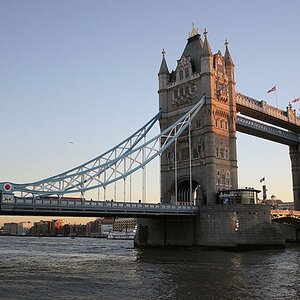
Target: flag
{"points": [[273, 89], [262, 179], [296, 100]]}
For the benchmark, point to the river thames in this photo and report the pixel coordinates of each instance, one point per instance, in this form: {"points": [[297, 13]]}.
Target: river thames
{"points": [[85, 268]]}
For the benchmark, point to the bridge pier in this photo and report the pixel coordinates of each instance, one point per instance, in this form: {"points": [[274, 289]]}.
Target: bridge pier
{"points": [[233, 226], [295, 162]]}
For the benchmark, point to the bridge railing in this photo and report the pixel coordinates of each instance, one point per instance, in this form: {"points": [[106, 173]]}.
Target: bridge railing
{"points": [[11, 203]]}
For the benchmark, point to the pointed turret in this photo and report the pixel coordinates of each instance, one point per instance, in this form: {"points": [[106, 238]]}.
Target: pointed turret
{"points": [[206, 60], [227, 56], [206, 47], [163, 81], [163, 66]]}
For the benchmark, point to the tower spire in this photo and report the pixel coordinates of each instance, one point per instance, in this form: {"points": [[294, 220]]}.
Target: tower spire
{"points": [[194, 32], [227, 56], [163, 66], [206, 46]]}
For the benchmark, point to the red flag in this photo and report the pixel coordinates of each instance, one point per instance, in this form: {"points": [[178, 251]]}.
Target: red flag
{"points": [[273, 89], [296, 100]]}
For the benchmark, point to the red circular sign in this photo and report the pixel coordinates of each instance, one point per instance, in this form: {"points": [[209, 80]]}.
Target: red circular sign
{"points": [[7, 187]]}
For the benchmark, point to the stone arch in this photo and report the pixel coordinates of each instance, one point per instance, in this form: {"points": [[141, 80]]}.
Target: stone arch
{"points": [[183, 192]]}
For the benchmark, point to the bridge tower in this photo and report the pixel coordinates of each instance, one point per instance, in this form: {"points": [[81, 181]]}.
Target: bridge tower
{"points": [[203, 160], [295, 161]]}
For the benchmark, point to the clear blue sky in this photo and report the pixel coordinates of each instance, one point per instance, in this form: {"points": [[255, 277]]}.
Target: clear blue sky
{"points": [[86, 71]]}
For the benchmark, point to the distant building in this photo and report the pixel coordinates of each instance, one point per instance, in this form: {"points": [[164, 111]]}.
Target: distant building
{"points": [[66, 230], [10, 228], [100, 227], [41, 228], [56, 227], [78, 230], [21, 228], [279, 204], [124, 224], [107, 226], [286, 205]]}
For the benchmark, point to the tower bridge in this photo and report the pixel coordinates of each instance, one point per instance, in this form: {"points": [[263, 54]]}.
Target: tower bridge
{"points": [[200, 113]]}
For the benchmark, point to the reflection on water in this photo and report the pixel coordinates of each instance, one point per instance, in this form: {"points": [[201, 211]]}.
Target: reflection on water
{"points": [[63, 268]]}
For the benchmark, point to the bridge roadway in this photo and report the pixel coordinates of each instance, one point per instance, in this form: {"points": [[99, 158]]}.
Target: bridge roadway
{"points": [[11, 205]]}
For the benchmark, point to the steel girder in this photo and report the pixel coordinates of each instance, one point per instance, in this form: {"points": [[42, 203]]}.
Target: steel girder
{"points": [[132, 154]]}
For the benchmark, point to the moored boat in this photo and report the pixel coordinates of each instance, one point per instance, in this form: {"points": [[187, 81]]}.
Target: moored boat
{"points": [[120, 235]]}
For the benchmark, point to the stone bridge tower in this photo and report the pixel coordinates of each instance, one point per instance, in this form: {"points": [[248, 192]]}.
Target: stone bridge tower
{"points": [[212, 165]]}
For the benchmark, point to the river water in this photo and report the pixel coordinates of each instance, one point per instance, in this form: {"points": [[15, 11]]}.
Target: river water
{"points": [[85, 268]]}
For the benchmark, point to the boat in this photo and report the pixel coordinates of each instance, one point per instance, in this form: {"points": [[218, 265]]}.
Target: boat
{"points": [[121, 235]]}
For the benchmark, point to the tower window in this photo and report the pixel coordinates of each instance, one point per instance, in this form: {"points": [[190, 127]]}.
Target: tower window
{"points": [[187, 72], [223, 181], [181, 92], [195, 153], [184, 153], [180, 75], [221, 152], [175, 94], [227, 153], [187, 90]]}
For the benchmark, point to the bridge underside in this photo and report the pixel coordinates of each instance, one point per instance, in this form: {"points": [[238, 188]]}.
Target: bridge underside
{"points": [[90, 214], [289, 220], [267, 132]]}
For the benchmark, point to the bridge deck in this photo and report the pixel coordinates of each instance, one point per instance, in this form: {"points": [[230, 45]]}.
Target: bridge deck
{"points": [[89, 208]]}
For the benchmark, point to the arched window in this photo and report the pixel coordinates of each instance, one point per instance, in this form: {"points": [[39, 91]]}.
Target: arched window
{"points": [[187, 90], [181, 91], [180, 75], [187, 72]]}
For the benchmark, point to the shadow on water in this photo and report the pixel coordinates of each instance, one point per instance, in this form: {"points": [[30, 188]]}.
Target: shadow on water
{"points": [[201, 274]]}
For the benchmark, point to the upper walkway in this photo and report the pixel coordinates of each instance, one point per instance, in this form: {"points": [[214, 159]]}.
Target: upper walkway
{"points": [[261, 110]]}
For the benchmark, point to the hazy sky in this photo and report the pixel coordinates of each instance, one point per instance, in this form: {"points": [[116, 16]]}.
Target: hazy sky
{"points": [[86, 72]]}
